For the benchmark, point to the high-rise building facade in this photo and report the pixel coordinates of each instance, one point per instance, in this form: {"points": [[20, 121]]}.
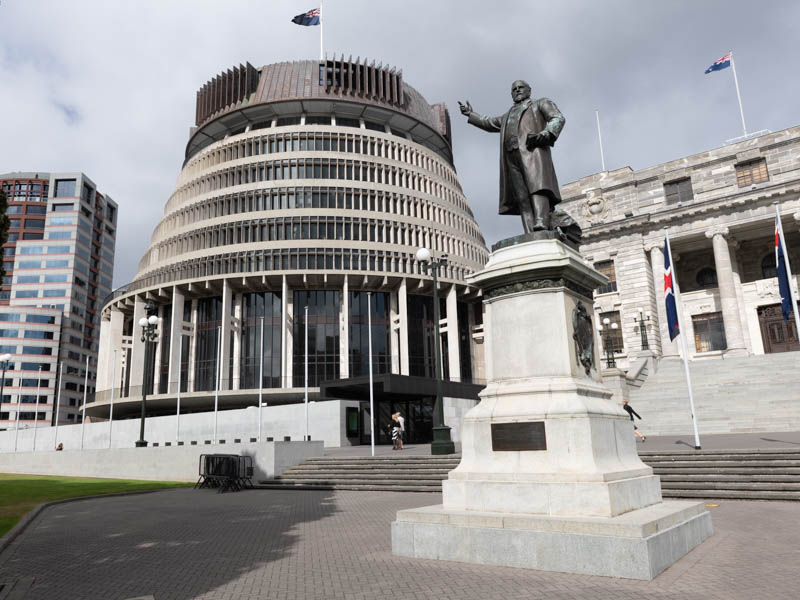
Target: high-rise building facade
{"points": [[306, 190], [63, 262]]}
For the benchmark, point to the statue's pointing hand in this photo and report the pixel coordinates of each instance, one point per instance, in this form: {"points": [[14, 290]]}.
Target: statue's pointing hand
{"points": [[466, 108]]}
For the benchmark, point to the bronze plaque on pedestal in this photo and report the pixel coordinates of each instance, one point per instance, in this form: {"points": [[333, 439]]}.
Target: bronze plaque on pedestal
{"points": [[518, 436]]}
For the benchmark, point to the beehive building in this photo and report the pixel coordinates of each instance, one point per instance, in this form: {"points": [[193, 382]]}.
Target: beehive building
{"points": [[306, 190]]}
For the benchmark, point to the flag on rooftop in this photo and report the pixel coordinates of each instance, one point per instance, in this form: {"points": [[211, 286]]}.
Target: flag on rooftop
{"points": [[783, 274], [720, 64], [669, 294], [309, 18]]}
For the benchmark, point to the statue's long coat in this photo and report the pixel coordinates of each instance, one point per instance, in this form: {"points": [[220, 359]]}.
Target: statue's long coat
{"points": [[539, 115]]}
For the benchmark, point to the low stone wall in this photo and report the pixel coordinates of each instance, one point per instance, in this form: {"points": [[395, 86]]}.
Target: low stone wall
{"points": [[326, 422], [175, 463]]}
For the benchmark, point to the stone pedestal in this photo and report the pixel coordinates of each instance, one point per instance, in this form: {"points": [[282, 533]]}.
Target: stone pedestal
{"points": [[549, 476]]}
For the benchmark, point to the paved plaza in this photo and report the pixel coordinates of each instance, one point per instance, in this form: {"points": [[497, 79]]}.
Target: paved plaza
{"points": [[277, 544]]}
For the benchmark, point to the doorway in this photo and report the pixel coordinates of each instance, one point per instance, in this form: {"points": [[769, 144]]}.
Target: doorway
{"points": [[778, 335], [418, 414]]}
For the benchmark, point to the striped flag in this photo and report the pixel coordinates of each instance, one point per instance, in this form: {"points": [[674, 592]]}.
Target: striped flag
{"points": [[669, 293], [309, 18], [783, 273]]}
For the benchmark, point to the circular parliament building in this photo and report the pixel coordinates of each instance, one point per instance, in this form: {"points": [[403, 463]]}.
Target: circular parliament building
{"points": [[306, 190]]}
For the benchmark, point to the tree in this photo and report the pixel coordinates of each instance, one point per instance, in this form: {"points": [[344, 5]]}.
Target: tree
{"points": [[4, 223]]}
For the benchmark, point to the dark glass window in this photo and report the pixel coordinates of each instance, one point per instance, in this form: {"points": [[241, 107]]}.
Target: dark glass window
{"points": [[65, 188], [318, 120], [209, 321], [678, 191], [706, 278], [323, 336], [36, 209], [421, 358], [258, 308], [464, 342], [768, 268], [345, 122], [615, 335], [752, 172], [165, 337], [358, 328], [606, 267], [709, 332]]}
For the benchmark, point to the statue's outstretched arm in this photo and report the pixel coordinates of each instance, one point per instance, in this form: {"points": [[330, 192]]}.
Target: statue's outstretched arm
{"points": [[480, 121]]}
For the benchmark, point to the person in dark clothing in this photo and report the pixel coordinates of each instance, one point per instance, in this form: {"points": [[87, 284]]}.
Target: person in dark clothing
{"points": [[629, 409]]}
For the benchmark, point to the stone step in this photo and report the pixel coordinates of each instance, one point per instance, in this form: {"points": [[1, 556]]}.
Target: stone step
{"points": [[789, 452], [346, 486], [690, 464], [730, 494], [344, 475], [727, 471], [708, 477], [731, 485]]}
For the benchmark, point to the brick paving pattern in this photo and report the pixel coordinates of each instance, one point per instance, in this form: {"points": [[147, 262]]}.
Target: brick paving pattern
{"points": [[279, 544]]}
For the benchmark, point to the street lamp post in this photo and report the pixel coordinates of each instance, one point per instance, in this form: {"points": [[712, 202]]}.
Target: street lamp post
{"points": [[442, 444], [643, 318], [606, 328], [149, 334]]}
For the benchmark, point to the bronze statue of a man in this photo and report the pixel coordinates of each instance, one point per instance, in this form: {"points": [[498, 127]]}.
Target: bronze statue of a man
{"points": [[528, 184]]}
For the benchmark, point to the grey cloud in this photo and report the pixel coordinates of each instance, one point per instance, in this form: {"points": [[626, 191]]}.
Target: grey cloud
{"points": [[131, 71]]}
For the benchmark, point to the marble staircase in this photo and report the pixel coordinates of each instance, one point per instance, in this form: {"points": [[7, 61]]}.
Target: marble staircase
{"points": [[732, 395]]}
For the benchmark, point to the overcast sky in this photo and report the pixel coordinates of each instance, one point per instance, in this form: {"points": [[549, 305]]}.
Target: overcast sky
{"points": [[108, 87]]}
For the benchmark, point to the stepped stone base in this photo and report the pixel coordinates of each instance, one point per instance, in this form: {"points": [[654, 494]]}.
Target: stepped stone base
{"points": [[636, 545]]}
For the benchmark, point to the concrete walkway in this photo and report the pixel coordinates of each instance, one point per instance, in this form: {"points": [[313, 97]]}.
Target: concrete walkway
{"points": [[276, 544]]}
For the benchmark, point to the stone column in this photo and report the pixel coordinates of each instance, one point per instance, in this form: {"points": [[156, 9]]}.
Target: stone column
{"points": [[344, 331], [176, 338], [110, 342], [402, 309], [727, 290], [192, 347], [286, 334], [237, 341], [225, 331], [453, 356], [394, 329], [669, 349], [137, 349]]}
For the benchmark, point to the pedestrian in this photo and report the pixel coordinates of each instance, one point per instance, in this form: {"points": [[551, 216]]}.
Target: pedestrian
{"points": [[629, 409], [402, 423], [394, 427], [60, 446]]}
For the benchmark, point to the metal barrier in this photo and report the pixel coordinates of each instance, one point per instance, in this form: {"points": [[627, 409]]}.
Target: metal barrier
{"points": [[225, 472]]}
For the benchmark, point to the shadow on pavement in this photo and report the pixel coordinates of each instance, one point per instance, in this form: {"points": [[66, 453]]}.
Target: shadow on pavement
{"points": [[175, 544]]}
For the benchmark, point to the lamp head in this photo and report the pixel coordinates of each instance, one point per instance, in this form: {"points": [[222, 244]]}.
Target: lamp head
{"points": [[606, 321], [5, 357], [614, 326], [143, 322], [423, 255], [152, 320]]}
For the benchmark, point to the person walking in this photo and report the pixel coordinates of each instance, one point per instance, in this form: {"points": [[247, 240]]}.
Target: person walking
{"points": [[394, 427], [402, 422], [629, 409]]}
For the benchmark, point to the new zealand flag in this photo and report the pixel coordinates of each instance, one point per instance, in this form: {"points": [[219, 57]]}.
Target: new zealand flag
{"points": [[669, 295], [309, 18], [783, 274], [719, 64]]}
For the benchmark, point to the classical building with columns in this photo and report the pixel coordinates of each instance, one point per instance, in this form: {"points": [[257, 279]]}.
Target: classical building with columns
{"points": [[306, 190], [719, 209]]}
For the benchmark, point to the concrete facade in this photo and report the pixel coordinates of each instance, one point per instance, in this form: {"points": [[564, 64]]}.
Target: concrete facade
{"points": [[287, 196], [718, 207], [64, 263]]}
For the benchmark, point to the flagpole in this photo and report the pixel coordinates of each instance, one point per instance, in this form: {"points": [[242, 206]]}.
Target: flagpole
{"points": [[305, 437], [85, 391], [261, 379], [738, 94], [683, 342], [58, 399], [216, 387], [321, 27], [789, 275], [178, 394], [600, 137], [371, 393], [36, 414]]}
